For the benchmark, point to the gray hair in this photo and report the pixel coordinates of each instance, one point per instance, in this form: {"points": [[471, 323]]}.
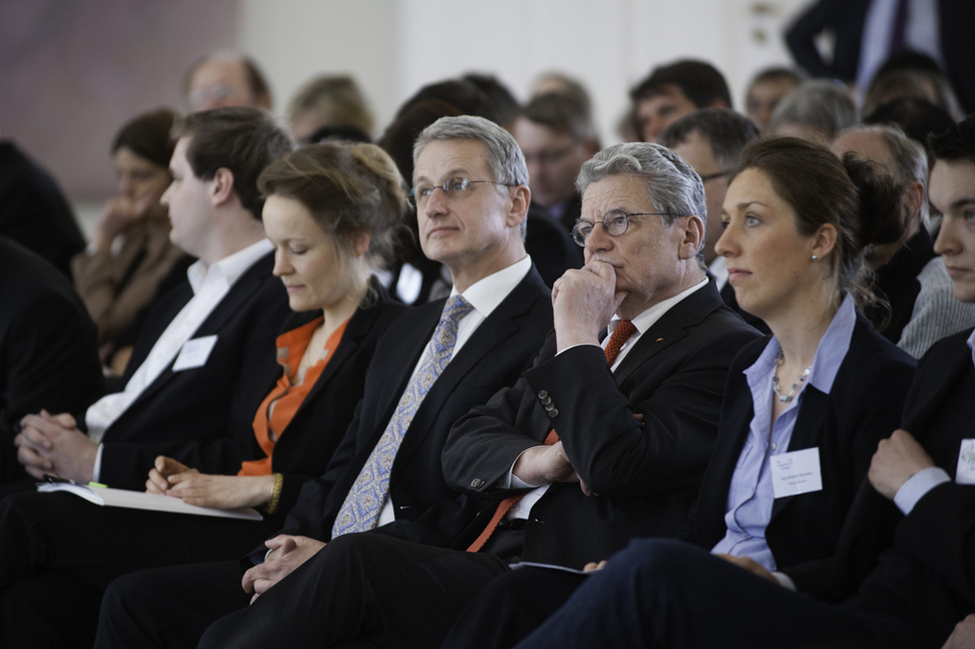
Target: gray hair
{"points": [[672, 186], [910, 159], [823, 105], [504, 159]]}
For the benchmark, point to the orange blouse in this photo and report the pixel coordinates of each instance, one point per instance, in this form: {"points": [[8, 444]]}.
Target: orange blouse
{"points": [[280, 406]]}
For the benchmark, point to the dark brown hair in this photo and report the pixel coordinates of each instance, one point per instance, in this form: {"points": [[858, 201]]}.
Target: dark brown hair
{"points": [[243, 140], [349, 189], [822, 189], [149, 136]]}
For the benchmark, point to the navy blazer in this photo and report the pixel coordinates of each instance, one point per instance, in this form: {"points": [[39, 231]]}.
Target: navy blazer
{"points": [[427, 510], [862, 408], [202, 416], [647, 475]]}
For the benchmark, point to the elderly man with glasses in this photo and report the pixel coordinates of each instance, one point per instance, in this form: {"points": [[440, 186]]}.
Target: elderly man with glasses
{"points": [[599, 441]]}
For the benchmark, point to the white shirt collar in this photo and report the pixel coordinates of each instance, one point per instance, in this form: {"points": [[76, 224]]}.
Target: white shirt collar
{"points": [[719, 271], [649, 317], [229, 269], [487, 293]]}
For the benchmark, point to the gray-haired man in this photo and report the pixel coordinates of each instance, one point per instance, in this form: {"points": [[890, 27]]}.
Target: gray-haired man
{"points": [[634, 418]]}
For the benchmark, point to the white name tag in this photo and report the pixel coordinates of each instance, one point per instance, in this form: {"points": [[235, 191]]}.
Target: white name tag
{"points": [[796, 473], [966, 462], [194, 353]]}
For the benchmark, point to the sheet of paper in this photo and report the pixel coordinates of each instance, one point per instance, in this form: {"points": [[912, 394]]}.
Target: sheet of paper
{"points": [[796, 473], [141, 500], [966, 462], [547, 566], [194, 353]]}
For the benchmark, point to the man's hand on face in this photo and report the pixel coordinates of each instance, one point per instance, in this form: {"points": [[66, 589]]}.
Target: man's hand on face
{"points": [[584, 302]]}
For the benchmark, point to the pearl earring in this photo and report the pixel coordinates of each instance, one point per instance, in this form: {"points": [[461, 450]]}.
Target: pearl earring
{"points": [[815, 257]]}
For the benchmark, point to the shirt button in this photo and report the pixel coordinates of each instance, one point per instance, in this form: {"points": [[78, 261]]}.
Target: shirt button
{"points": [[774, 446]]}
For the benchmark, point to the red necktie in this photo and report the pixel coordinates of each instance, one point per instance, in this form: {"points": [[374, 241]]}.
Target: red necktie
{"points": [[621, 334]]}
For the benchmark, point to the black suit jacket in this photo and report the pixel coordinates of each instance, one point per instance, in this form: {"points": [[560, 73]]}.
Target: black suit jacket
{"points": [[33, 211], [48, 348], [647, 475], [308, 442], [930, 573], [427, 510], [862, 407], [846, 18], [201, 416], [550, 245]]}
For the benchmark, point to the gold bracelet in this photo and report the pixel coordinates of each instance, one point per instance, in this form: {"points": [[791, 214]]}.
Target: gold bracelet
{"points": [[272, 504]]}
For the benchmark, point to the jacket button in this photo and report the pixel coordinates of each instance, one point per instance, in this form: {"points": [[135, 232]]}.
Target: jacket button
{"points": [[547, 400], [542, 394], [553, 413]]}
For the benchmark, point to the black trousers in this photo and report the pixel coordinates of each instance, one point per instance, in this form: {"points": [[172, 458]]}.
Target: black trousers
{"points": [[58, 553], [510, 607], [362, 590]]}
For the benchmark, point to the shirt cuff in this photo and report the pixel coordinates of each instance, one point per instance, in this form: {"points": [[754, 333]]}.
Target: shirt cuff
{"points": [[785, 581], [96, 472], [917, 486], [577, 345], [511, 481]]}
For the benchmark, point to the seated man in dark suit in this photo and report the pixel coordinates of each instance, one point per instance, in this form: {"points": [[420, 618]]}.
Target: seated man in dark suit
{"points": [[204, 341], [638, 431], [48, 347], [432, 365], [918, 591]]}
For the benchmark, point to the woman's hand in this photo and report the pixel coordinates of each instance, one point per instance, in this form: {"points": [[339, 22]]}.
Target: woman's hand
{"points": [[158, 482], [221, 491]]}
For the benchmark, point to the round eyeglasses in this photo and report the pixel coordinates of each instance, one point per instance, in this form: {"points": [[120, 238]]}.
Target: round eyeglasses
{"points": [[615, 222]]}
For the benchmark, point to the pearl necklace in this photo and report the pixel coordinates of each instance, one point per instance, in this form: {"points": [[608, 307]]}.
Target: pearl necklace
{"points": [[795, 386]]}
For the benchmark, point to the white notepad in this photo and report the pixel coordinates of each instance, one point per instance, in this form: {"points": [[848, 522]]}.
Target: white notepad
{"points": [[108, 497]]}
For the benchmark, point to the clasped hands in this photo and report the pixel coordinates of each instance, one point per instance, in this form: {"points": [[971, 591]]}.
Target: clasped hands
{"points": [[287, 552], [53, 444], [171, 478]]}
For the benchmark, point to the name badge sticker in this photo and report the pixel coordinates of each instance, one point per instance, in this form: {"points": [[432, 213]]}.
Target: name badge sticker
{"points": [[796, 473], [966, 462], [194, 353]]}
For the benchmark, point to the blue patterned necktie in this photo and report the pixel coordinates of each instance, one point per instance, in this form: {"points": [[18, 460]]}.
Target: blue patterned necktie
{"points": [[365, 500]]}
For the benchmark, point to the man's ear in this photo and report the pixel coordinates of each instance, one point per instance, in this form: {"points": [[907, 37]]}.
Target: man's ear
{"points": [[521, 197], [691, 233], [222, 186]]}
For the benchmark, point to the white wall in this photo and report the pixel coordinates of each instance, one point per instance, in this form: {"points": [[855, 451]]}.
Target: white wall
{"points": [[395, 46]]}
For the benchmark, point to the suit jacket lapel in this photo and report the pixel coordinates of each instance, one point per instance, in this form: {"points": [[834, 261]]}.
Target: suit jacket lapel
{"points": [[670, 328], [808, 432], [496, 328], [238, 294]]}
